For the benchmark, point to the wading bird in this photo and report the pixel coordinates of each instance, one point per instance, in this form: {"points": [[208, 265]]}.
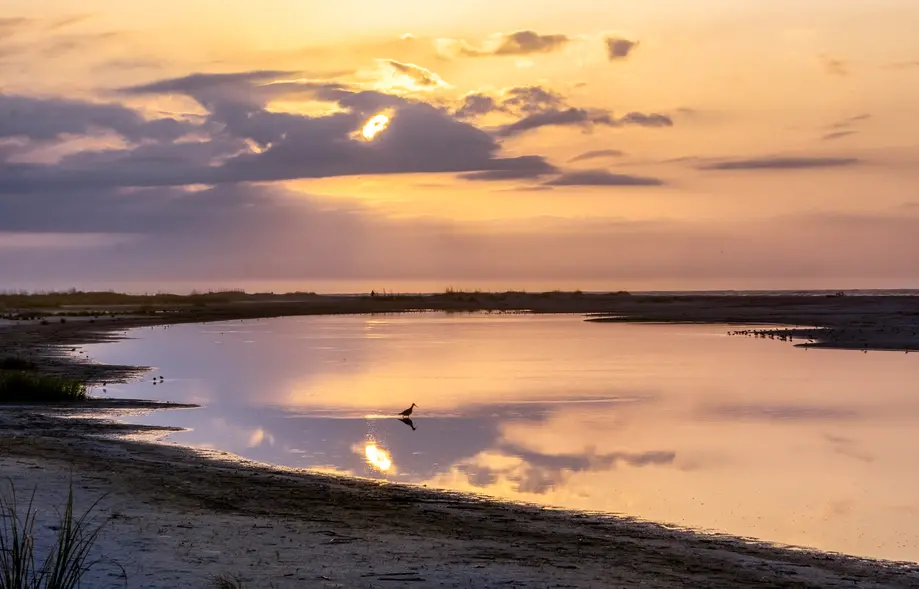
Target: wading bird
{"points": [[408, 411]]}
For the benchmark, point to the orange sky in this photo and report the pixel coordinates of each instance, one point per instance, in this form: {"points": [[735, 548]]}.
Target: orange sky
{"points": [[722, 144]]}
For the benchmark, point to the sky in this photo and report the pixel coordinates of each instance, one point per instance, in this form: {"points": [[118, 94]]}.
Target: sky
{"points": [[593, 144]]}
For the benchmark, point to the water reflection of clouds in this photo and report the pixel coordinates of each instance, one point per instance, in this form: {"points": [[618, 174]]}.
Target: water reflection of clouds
{"points": [[537, 473], [670, 423], [783, 412], [848, 447]]}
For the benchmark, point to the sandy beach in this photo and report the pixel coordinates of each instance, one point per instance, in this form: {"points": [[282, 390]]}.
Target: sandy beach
{"points": [[178, 517]]}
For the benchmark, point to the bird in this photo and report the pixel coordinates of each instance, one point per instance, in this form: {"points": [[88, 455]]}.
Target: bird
{"points": [[408, 411], [407, 421]]}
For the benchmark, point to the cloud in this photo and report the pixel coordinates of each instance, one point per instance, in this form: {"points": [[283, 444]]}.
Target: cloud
{"points": [[595, 154], [834, 66], [583, 118], [645, 120], [46, 119], [245, 142], [231, 232], [477, 104], [844, 127], [904, 65], [518, 100], [618, 48], [531, 99], [511, 44], [838, 135], [782, 163], [10, 26], [538, 169], [601, 178], [193, 83], [554, 117], [421, 77]]}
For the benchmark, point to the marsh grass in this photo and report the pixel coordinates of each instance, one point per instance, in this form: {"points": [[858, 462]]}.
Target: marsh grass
{"points": [[13, 363], [224, 581], [19, 386], [67, 561]]}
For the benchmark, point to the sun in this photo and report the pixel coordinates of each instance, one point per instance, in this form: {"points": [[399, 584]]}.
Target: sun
{"points": [[374, 126]]}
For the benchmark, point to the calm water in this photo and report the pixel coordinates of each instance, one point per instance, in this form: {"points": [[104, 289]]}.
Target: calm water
{"points": [[672, 423]]}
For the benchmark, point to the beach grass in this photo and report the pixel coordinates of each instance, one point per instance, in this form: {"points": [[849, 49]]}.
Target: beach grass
{"points": [[21, 386], [14, 363], [227, 582], [67, 561]]}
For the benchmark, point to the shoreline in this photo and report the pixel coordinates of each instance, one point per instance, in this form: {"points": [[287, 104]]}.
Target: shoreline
{"points": [[867, 323], [485, 536], [526, 545]]}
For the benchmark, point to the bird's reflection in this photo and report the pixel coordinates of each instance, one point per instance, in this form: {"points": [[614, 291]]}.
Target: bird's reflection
{"points": [[408, 421]]}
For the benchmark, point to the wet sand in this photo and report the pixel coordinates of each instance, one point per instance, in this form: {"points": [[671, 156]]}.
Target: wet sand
{"points": [[179, 516]]}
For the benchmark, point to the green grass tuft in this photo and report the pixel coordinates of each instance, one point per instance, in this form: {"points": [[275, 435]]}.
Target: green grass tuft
{"points": [[18, 386], [65, 564]]}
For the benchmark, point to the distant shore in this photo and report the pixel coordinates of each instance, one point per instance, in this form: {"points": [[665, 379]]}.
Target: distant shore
{"points": [[254, 520], [41, 327]]}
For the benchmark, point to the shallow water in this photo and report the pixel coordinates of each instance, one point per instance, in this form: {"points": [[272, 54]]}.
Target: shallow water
{"points": [[672, 423]]}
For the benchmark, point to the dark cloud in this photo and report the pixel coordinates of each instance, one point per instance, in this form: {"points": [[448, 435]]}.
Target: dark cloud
{"points": [[519, 43], [247, 143], [584, 118], [540, 168], [540, 107], [602, 178], [421, 76], [554, 117], [598, 153], [531, 99], [838, 135], [644, 120], [518, 100], [45, 119], [782, 163], [194, 82], [477, 104], [618, 48]]}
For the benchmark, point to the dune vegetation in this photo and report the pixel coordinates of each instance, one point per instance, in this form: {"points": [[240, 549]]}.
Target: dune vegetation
{"points": [[23, 386]]}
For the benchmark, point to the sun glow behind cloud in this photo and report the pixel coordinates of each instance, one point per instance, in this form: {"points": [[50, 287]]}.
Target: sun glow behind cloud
{"points": [[374, 126]]}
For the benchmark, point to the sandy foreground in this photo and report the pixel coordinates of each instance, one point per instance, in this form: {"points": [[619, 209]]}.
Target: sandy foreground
{"points": [[175, 517]]}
